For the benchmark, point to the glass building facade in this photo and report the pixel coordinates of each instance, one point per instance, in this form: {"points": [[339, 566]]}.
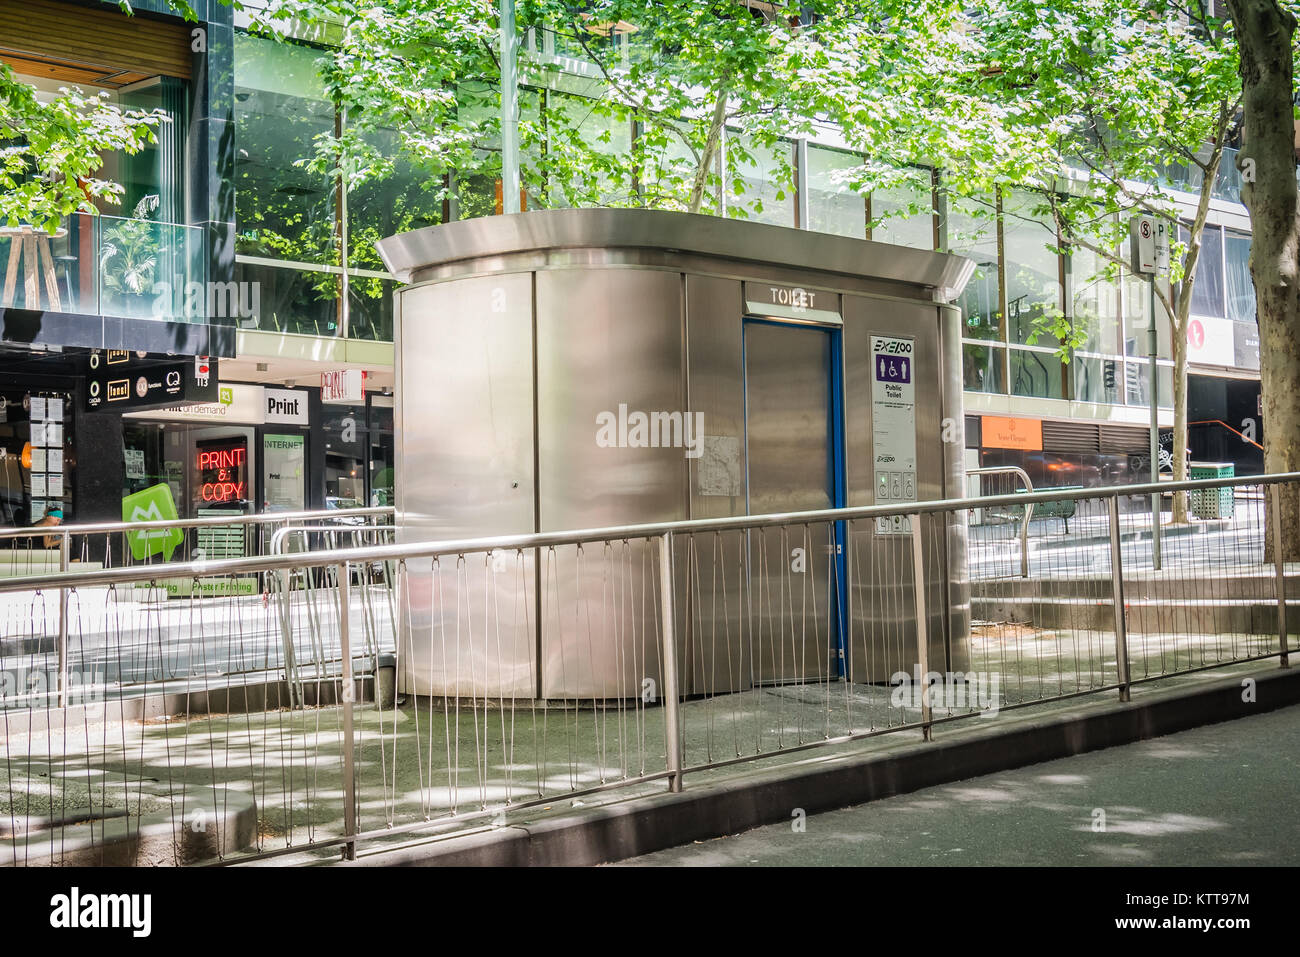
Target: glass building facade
{"points": [[291, 221]]}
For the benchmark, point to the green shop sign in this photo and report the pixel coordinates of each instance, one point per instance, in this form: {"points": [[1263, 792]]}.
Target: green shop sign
{"points": [[153, 504]]}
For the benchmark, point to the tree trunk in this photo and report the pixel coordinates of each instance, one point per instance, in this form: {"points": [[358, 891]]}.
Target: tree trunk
{"points": [[1181, 320], [1265, 33], [710, 147], [1178, 514]]}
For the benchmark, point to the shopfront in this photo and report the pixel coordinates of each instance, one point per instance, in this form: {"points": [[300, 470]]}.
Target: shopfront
{"points": [[1055, 452], [358, 453], [36, 451], [261, 449], [62, 418]]}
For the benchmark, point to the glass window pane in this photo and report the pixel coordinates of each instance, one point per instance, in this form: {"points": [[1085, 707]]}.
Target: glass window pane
{"points": [[292, 300], [833, 205], [1240, 287], [760, 180], [407, 197], [1036, 374], [668, 169], [477, 182], [1098, 380], [381, 454], [346, 437], [1207, 291], [972, 232], [904, 215], [587, 154], [1138, 380], [1227, 185], [1032, 270], [1094, 301], [982, 368], [370, 308], [283, 211]]}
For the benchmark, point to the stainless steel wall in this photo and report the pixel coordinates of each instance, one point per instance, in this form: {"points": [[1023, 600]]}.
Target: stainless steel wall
{"points": [[716, 658], [464, 467], [607, 339], [880, 590]]}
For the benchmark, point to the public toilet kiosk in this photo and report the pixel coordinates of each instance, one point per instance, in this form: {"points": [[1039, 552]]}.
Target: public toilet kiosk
{"points": [[578, 369]]}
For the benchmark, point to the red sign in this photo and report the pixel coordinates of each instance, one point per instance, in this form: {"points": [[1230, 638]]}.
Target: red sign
{"points": [[343, 386], [221, 472], [231, 458]]}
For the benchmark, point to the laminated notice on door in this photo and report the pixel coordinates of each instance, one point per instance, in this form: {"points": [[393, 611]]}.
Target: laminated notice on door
{"points": [[893, 427]]}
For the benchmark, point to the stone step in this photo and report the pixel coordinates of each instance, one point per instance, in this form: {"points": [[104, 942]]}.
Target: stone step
{"points": [[1140, 586], [1145, 616]]}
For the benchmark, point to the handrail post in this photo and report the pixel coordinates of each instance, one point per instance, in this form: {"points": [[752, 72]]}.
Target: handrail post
{"points": [[348, 694], [922, 625], [672, 704], [64, 550], [1275, 506], [1024, 539], [1117, 596], [1029, 507]]}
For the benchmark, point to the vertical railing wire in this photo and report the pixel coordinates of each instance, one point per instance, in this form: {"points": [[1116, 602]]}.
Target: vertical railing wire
{"points": [[672, 703]]}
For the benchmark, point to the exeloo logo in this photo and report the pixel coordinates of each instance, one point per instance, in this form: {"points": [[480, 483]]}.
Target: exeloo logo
{"points": [[949, 689], [77, 910], [651, 430]]}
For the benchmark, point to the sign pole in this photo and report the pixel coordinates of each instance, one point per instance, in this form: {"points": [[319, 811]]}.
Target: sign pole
{"points": [[509, 111], [1149, 249], [1153, 349]]}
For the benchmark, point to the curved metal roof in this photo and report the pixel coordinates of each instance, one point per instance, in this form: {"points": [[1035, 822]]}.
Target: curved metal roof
{"points": [[942, 274]]}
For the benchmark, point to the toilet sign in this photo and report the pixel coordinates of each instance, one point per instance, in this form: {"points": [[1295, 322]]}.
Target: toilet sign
{"points": [[893, 427]]}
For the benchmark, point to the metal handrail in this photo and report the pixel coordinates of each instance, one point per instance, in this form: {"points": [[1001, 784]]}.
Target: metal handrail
{"points": [[1235, 432], [280, 534], [435, 548], [1029, 509], [286, 628], [258, 518]]}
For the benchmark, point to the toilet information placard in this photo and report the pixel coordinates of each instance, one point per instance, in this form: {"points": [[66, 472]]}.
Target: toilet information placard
{"points": [[893, 427]]}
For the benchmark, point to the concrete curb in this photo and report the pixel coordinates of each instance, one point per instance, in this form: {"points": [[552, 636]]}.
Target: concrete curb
{"points": [[210, 823], [768, 796]]}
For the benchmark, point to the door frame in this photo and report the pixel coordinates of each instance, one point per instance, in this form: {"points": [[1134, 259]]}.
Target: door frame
{"points": [[837, 479]]}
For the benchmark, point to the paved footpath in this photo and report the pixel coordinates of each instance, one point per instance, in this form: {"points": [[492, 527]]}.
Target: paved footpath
{"points": [[1227, 794]]}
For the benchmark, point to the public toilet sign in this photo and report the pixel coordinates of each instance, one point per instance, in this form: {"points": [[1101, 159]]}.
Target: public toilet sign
{"points": [[341, 387], [893, 427], [1149, 245]]}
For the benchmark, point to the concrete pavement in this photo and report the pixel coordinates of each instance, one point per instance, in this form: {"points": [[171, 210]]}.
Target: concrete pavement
{"points": [[1225, 794]]}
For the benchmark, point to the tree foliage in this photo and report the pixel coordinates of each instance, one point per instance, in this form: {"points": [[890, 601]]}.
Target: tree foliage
{"points": [[51, 150], [680, 71]]}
